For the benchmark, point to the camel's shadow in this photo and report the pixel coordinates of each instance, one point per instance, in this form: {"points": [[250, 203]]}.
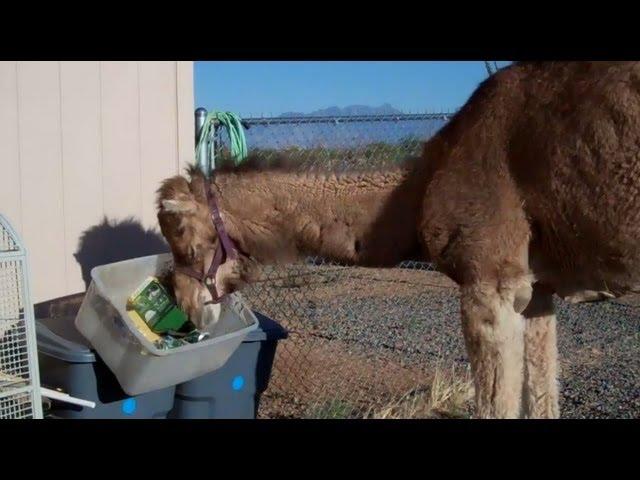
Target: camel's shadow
{"points": [[107, 242], [111, 241]]}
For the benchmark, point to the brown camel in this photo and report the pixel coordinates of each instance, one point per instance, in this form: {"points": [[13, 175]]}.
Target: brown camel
{"points": [[533, 188]]}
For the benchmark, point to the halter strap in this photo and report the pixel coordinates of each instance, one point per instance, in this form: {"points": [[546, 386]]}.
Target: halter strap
{"points": [[225, 251]]}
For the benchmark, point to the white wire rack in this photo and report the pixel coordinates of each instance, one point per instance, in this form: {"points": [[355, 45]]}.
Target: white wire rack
{"points": [[20, 395]]}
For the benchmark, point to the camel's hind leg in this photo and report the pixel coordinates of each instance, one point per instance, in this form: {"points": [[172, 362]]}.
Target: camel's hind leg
{"points": [[540, 392], [494, 335]]}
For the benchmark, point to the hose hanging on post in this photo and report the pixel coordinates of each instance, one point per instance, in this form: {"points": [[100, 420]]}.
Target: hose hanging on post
{"points": [[235, 130]]}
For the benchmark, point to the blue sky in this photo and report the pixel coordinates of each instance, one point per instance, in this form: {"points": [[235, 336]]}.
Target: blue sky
{"points": [[254, 88]]}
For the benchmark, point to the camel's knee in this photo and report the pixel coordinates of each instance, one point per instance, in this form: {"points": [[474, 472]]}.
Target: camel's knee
{"points": [[522, 297], [491, 315]]}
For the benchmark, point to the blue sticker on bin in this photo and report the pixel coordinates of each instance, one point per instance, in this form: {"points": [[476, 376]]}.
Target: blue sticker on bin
{"points": [[237, 382], [129, 406]]}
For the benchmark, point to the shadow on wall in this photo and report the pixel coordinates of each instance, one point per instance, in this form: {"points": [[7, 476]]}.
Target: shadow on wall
{"points": [[112, 241]]}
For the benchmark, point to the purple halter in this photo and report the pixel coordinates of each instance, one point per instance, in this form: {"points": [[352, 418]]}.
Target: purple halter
{"points": [[225, 251]]}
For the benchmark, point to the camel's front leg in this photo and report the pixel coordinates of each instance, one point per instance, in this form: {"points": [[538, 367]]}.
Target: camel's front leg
{"points": [[540, 393], [494, 336]]}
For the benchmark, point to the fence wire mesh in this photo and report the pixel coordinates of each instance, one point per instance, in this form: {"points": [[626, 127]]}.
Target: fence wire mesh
{"points": [[358, 341], [338, 143]]}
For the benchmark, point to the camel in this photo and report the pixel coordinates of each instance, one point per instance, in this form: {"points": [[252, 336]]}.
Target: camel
{"points": [[532, 189]]}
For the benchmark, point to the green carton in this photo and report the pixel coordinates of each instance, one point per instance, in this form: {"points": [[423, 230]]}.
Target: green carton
{"points": [[156, 308]]}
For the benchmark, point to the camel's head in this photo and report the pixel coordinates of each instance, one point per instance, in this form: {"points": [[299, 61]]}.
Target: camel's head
{"points": [[185, 221]]}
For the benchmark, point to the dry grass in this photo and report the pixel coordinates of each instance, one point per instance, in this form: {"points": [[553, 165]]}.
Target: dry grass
{"points": [[449, 395], [315, 377]]}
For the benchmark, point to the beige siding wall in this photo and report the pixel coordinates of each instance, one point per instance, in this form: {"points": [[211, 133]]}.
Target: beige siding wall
{"points": [[83, 140]]}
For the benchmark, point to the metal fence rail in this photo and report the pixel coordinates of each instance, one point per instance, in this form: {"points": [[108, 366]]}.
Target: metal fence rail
{"points": [[299, 120]]}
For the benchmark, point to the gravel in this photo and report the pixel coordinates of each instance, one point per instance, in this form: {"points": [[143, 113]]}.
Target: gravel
{"points": [[599, 345]]}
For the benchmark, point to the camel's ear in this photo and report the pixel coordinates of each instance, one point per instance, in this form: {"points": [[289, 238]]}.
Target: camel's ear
{"points": [[179, 206]]}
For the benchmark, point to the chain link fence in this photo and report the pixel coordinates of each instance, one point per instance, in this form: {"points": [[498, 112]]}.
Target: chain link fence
{"points": [[338, 143], [359, 338]]}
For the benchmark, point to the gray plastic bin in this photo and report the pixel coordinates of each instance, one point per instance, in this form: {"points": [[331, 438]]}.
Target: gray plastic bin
{"points": [[234, 390], [67, 361]]}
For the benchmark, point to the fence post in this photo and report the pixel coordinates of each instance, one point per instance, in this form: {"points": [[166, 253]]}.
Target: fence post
{"points": [[201, 154]]}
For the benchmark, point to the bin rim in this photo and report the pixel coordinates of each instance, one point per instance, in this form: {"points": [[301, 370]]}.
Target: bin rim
{"points": [[53, 345], [274, 332]]}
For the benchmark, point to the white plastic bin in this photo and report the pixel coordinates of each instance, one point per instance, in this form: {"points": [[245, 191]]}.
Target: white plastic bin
{"points": [[138, 365]]}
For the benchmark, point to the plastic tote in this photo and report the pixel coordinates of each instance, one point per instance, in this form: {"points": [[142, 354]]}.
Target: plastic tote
{"points": [[138, 365]]}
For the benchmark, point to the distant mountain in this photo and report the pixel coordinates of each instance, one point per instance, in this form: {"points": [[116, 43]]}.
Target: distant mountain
{"points": [[351, 110]]}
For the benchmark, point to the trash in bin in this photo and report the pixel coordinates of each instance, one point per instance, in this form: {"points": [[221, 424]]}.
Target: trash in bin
{"points": [[143, 328], [156, 308], [158, 317]]}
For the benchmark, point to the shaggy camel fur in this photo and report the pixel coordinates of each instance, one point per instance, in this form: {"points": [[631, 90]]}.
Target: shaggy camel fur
{"points": [[533, 188]]}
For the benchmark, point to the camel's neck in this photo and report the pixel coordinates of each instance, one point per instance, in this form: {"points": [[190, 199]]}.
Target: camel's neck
{"points": [[365, 218]]}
